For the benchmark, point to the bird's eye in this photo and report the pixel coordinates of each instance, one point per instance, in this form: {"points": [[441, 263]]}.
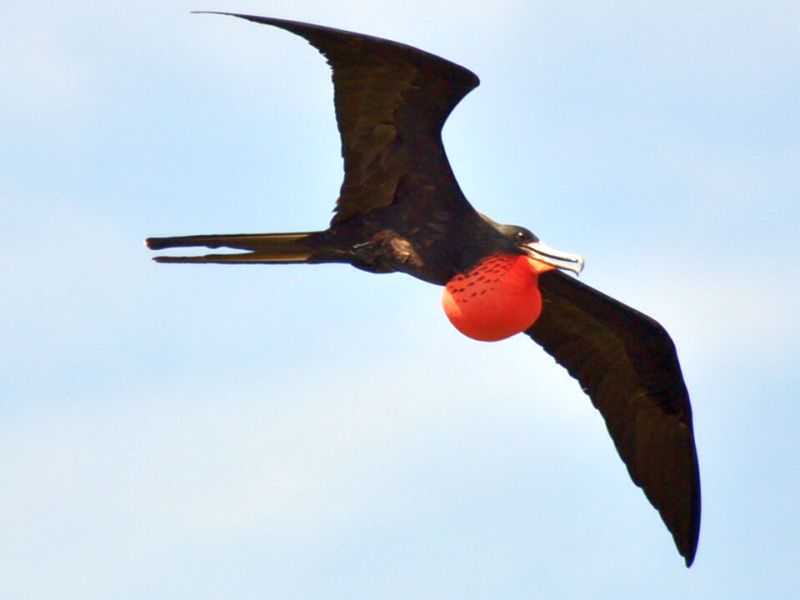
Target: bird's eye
{"points": [[522, 237]]}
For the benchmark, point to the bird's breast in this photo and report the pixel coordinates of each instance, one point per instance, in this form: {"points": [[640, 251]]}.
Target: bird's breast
{"points": [[497, 299]]}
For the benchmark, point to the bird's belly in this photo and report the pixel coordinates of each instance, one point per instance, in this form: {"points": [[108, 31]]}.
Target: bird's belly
{"points": [[497, 299]]}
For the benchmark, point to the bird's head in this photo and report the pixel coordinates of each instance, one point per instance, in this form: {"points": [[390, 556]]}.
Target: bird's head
{"points": [[525, 242]]}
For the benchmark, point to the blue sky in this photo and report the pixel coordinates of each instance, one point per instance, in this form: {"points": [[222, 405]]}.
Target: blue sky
{"points": [[318, 432]]}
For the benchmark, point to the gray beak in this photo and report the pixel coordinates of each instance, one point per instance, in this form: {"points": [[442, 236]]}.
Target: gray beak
{"points": [[555, 258]]}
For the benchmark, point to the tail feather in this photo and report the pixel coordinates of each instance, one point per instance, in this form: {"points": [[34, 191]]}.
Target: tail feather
{"points": [[261, 247]]}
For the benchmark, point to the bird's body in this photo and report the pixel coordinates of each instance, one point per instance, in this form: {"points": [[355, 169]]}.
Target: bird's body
{"points": [[400, 210]]}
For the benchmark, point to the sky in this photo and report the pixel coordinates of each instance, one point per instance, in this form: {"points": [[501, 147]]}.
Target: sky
{"points": [[192, 432]]}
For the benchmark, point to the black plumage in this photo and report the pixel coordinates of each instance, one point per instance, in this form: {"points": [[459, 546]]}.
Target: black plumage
{"points": [[401, 209]]}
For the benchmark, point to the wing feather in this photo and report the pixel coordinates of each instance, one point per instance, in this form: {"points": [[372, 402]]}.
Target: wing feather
{"points": [[627, 364], [391, 103]]}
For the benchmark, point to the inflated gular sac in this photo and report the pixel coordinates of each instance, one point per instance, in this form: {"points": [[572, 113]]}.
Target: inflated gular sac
{"points": [[497, 299]]}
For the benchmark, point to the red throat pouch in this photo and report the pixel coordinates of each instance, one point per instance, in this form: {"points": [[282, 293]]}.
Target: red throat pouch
{"points": [[497, 299]]}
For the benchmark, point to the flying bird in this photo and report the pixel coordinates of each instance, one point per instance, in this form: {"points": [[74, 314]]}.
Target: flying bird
{"points": [[400, 209]]}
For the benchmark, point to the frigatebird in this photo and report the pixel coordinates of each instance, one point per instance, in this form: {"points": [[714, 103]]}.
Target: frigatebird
{"points": [[400, 209]]}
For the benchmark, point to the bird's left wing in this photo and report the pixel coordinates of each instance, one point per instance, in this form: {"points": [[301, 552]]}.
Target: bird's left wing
{"points": [[627, 364], [391, 103]]}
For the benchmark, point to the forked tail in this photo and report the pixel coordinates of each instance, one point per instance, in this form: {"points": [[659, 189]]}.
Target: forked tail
{"points": [[260, 247]]}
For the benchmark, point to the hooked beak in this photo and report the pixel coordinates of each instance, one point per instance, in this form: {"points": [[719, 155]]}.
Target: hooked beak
{"points": [[555, 258]]}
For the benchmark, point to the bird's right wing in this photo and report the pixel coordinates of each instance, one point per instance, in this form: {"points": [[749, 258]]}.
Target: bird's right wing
{"points": [[391, 103], [627, 364]]}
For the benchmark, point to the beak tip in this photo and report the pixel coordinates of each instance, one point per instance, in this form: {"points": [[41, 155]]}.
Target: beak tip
{"points": [[561, 260]]}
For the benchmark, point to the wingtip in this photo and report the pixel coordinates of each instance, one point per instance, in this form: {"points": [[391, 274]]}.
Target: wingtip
{"points": [[689, 556], [691, 551], [218, 12]]}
